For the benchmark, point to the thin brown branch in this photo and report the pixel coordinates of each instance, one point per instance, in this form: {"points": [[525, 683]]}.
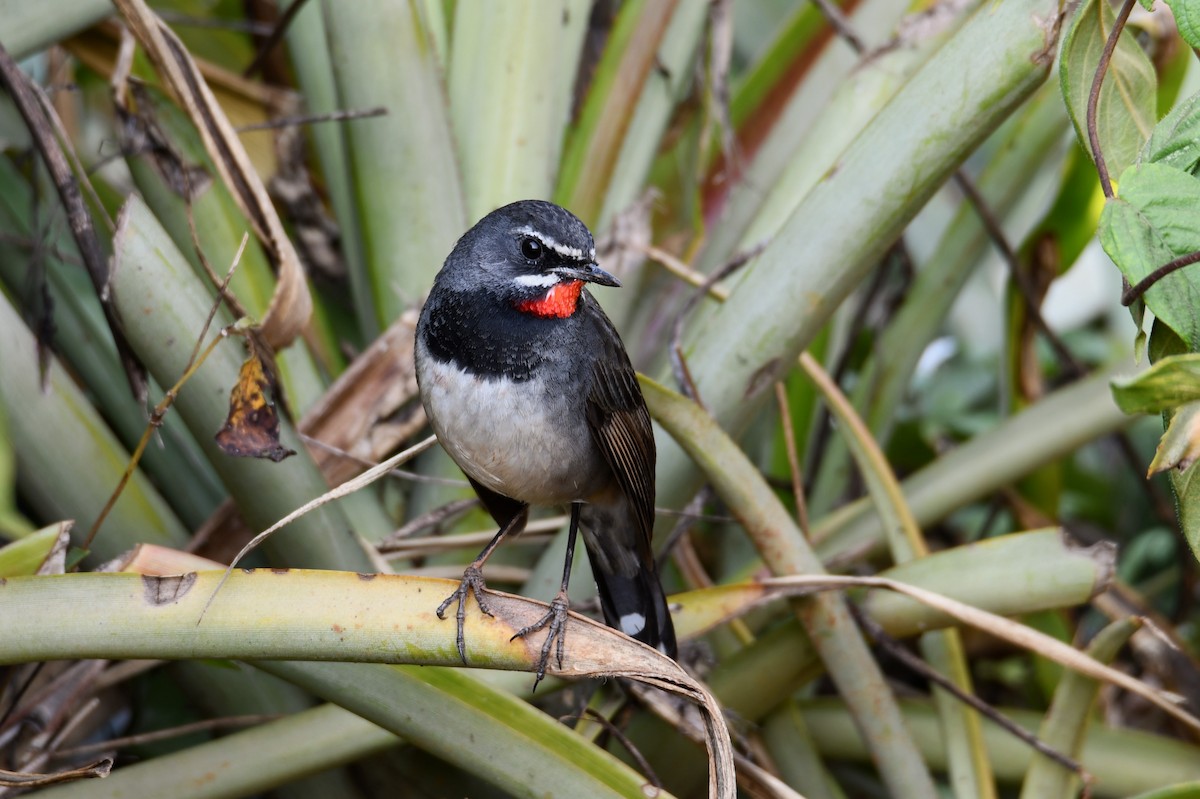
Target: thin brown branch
{"points": [[1019, 279], [789, 443], [916, 664], [591, 714], [312, 119], [160, 410], [840, 24], [273, 39], [433, 518], [181, 20], [678, 366], [208, 725], [1093, 103]]}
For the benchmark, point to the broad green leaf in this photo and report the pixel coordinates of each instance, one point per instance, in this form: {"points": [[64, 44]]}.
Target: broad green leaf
{"points": [[1175, 141], [1168, 198], [1168, 384], [1187, 18], [403, 166], [1184, 482], [1148, 225], [1167, 348], [1125, 113]]}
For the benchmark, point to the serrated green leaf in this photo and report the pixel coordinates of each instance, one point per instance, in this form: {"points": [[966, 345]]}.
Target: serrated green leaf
{"points": [[1168, 384], [1168, 197], [1126, 111], [1151, 223], [1176, 139], [1187, 19]]}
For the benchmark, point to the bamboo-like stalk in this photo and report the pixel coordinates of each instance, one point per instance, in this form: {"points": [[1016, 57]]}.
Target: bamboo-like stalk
{"points": [[510, 132], [350, 616], [837, 234], [1024, 146], [406, 178], [56, 433], [786, 551], [1066, 726], [1060, 423], [1124, 762], [29, 27], [150, 273], [304, 743], [970, 772]]}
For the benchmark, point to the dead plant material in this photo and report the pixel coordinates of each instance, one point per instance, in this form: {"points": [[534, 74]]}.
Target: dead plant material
{"points": [[252, 428], [291, 304]]}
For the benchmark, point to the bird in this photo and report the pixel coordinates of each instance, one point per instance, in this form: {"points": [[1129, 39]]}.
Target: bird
{"points": [[530, 391]]}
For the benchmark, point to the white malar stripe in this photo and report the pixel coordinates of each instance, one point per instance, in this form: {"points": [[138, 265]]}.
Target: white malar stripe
{"points": [[541, 281], [633, 623], [564, 250]]}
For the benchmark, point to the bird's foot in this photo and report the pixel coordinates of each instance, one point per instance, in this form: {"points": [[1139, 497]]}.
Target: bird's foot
{"points": [[556, 622], [472, 584]]}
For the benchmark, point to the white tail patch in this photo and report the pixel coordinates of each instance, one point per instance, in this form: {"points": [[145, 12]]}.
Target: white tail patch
{"points": [[633, 623]]}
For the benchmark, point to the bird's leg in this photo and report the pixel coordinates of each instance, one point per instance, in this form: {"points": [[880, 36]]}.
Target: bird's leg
{"points": [[556, 617], [473, 584]]}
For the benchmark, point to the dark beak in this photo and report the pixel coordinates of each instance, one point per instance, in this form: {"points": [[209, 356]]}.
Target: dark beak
{"points": [[591, 273]]}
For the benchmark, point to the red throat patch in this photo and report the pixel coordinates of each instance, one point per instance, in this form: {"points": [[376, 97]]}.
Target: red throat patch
{"points": [[558, 303]]}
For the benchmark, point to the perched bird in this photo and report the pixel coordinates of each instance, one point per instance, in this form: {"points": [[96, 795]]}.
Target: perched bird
{"points": [[530, 391]]}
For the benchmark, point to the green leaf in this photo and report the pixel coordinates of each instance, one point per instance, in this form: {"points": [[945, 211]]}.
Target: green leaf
{"points": [[1125, 113], [1187, 19], [1168, 384], [1184, 482], [25, 555], [1151, 223], [1176, 139]]}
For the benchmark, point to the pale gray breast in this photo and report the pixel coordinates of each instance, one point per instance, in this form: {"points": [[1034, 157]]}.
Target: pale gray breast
{"points": [[516, 438]]}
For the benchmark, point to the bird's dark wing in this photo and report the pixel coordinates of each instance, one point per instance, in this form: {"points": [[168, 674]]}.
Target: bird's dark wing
{"points": [[620, 426]]}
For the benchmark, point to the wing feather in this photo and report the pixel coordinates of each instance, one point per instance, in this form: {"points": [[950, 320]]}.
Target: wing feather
{"points": [[620, 426]]}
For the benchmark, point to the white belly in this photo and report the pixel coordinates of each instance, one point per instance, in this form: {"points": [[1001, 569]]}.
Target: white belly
{"points": [[512, 437]]}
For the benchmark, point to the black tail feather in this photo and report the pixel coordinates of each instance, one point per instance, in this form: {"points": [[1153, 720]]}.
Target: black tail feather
{"points": [[636, 605]]}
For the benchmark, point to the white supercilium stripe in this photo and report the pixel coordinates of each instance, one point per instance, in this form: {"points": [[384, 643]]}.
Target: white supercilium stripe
{"points": [[564, 250]]}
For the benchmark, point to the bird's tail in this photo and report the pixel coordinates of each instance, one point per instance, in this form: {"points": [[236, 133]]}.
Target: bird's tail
{"points": [[631, 595]]}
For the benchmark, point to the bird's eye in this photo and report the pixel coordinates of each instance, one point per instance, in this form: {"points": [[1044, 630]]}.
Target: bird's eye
{"points": [[531, 248]]}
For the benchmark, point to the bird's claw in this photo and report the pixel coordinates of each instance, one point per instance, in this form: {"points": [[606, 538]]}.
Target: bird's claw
{"points": [[472, 584], [556, 620]]}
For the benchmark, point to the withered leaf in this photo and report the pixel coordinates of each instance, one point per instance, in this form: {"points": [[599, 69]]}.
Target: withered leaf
{"points": [[252, 428]]}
